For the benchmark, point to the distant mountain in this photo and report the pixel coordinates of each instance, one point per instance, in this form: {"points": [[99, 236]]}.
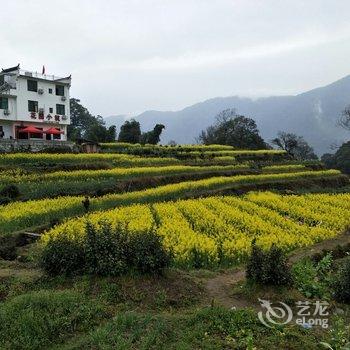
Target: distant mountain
{"points": [[312, 114]]}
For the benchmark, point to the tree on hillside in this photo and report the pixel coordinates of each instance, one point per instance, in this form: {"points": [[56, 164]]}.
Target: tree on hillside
{"points": [[152, 137], [85, 125], [130, 132], [99, 132], [340, 160], [80, 119], [344, 120], [294, 145], [234, 130]]}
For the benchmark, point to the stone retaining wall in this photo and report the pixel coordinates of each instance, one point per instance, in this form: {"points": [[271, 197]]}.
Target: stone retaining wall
{"points": [[7, 145]]}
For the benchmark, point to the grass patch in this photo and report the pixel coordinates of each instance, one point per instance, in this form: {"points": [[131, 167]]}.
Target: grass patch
{"points": [[209, 328], [37, 320]]}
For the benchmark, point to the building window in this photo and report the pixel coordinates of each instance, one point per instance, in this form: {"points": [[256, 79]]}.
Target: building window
{"points": [[32, 106], [2, 80], [50, 91], [59, 90], [50, 110], [4, 103], [32, 85], [60, 109]]}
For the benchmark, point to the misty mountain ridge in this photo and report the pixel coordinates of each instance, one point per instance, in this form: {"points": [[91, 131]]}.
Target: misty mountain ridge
{"points": [[312, 114]]}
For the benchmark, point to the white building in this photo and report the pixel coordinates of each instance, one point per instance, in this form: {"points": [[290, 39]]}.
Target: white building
{"points": [[34, 100]]}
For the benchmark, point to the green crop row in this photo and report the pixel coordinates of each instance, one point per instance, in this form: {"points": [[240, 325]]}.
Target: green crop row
{"points": [[120, 160], [98, 182], [123, 146], [189, 152]]}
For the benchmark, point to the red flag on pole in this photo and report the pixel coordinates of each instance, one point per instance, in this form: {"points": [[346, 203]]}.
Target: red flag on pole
{"points": [[43, 70]]}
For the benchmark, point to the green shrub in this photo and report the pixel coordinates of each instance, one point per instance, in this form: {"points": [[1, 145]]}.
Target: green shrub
{"points": [[256, 263], [148, 254], [277, 270], [341, 283], [61, 256], [105, 250], [268, 268]]}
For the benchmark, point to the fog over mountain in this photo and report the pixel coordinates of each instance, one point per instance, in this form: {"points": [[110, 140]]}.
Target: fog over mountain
{"points": [[312, 114]]}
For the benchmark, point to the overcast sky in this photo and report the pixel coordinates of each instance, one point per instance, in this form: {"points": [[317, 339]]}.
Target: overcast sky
{"points": [[128, 56]]}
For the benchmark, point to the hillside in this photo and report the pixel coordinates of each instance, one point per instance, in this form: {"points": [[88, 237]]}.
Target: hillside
{"points": [[162, 243], [312, 114]]}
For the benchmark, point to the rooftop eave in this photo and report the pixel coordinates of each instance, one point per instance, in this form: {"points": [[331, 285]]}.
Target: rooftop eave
{"points": [[11, 69], [66, 80]]}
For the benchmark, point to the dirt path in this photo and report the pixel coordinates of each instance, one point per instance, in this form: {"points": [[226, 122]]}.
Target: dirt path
{"points": [[9, 269], [19, 273], [220, 289]]}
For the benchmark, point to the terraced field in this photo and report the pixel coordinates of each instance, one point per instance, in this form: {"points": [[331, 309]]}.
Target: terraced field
{"points": [[99, 182], [22, 215], [219, 230]]}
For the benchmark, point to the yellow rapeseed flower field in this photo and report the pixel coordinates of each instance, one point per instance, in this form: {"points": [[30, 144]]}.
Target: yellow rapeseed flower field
{"points": [[219, 230]]}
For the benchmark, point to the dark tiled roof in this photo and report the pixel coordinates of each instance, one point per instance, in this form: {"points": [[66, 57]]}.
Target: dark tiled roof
{"points": [[7, 70]]}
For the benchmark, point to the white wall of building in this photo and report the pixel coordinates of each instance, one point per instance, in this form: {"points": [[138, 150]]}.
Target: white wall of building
{"points": [[45, 100]]}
